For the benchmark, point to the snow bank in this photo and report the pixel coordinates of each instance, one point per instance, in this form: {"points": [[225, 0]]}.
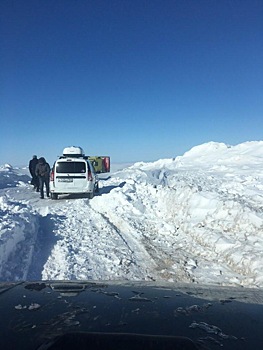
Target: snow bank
{"points": [[12, 177]]}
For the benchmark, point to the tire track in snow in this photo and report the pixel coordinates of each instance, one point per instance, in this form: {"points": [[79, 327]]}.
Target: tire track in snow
{"points": [[161, 262], [130, 237], [91, 248], [121, 212]]}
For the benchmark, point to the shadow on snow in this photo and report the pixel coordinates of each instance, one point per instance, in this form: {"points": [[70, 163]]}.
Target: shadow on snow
{"points": [[108, 189], [46, 240]]}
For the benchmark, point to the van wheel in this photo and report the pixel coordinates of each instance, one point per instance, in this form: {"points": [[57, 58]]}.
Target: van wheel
{"points": [[96, 188], [54, 196]]}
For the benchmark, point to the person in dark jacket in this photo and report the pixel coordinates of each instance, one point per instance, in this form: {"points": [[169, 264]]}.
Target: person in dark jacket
{"points": [[42, 172], [32, 168]]}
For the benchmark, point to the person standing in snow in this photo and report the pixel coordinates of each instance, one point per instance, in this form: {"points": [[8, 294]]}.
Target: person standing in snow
{"points": [[32, 168], [42, 172]]}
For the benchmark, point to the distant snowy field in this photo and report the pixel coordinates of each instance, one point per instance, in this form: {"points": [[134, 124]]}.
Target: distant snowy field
{"points": [[196, 218]]}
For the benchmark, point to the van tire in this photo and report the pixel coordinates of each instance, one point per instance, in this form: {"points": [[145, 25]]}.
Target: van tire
{"points": [[54, 195]]}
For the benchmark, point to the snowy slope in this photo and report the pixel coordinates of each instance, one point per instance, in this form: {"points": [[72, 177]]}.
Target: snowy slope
{"points": [[196, 218]]}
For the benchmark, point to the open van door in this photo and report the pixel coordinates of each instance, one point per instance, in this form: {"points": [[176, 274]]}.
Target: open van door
{"points": [[101, 164]]}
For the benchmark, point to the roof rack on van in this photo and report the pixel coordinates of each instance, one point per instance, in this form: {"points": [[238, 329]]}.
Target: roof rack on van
{"points": [[73, 156]]}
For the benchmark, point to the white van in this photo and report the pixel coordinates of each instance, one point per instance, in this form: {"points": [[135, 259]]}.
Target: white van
{"points": [[73, 173]]}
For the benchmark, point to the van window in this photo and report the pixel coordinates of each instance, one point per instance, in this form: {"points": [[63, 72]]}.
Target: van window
{"points": [[71, 167]]}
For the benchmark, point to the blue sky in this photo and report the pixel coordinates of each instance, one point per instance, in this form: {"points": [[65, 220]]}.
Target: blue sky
{"points": [[136, 80]]}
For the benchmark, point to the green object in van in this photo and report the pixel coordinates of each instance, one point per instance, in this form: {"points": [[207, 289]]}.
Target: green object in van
{"points": [[97, 164], [101, 164]]}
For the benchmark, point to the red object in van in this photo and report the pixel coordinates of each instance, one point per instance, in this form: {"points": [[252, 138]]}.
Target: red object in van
{"points": [[106, 163]]}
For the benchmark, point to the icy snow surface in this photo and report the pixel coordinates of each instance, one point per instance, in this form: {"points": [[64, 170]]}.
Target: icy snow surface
{"points": [[197, 218]]}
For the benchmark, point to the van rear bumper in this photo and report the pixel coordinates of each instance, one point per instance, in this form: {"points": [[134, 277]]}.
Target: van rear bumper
{"points": [[70, 191]]}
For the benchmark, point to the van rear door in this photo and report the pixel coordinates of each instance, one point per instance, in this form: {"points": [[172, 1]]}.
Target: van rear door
{"points": [[71, 175]]}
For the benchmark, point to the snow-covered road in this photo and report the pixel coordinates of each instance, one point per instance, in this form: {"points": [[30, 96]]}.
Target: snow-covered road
{"points": [[196, 218]]}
